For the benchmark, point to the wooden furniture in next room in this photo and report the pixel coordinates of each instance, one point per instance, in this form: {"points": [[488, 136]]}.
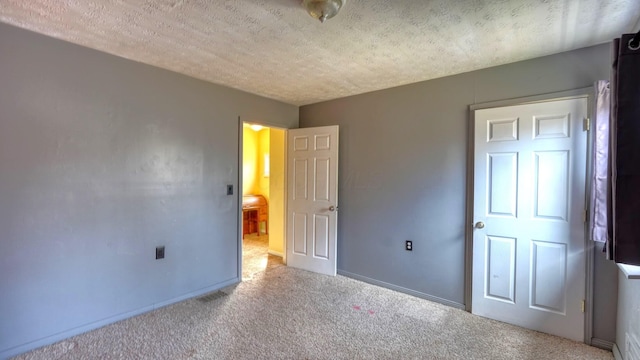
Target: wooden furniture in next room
{"points": [[254, 211]]}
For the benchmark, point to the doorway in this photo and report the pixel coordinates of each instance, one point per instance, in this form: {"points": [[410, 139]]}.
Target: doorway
{"points": [[263, 194]]}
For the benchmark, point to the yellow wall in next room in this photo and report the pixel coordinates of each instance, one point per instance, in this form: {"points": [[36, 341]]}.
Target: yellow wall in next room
{"points": [[277, 191], [262, 180], [249, 160]]}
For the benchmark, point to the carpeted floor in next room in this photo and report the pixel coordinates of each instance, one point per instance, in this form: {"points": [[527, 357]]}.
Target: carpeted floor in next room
{"points": [[285, 313], [255, 256]]}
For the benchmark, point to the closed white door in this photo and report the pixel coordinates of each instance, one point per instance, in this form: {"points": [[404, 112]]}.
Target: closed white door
{"points": [[312, 199], [529, 203]]}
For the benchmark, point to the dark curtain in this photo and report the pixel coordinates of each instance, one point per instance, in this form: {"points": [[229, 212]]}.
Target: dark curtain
{"points": [[624, 210]]}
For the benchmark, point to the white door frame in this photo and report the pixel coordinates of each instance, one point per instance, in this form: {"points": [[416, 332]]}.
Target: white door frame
{"points": [[589, 245]]}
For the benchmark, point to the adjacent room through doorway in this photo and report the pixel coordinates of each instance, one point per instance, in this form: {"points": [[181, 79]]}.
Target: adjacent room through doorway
{"points": [[263, 194]]}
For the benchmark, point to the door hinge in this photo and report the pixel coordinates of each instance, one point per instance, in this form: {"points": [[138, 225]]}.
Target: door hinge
{"points": [[585, 216], [586, 124], [583, 305]]}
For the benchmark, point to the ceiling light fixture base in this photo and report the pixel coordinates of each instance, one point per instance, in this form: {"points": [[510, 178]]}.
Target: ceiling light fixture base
{"points": [[323, 9]]}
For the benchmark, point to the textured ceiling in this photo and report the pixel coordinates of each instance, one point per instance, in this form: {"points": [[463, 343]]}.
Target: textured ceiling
{"points": [[274, 49]]}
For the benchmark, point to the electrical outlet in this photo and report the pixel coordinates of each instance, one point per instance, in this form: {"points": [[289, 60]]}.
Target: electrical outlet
{"points": [[408, 245], [229, 189], [159, 252]]}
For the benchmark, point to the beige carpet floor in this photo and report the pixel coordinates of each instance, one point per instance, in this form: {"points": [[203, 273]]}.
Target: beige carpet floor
{"points": [[255, 256], [284, 313]]}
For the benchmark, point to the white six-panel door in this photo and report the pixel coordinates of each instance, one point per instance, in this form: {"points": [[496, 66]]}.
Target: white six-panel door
{"points": [[529, 201], [312, 199]]}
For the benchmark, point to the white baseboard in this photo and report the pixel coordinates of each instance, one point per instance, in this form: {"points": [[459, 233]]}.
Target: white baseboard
{"points": [[402, 289], [17, 350], [616, 352], [275, 253]]}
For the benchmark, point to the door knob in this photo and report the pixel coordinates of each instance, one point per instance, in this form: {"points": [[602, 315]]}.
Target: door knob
{"points": [[332, 208], [479, 225]]}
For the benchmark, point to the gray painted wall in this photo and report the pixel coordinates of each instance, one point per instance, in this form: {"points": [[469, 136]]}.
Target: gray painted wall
{"points": [[403, 156], [605, 298], [101, 160]]}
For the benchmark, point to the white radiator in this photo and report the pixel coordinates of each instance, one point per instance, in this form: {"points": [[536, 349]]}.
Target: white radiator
{"points": [[633, 348]]}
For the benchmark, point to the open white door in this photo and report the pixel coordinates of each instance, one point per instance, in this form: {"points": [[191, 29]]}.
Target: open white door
{"points": [[529, 203], [312, 199]]}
